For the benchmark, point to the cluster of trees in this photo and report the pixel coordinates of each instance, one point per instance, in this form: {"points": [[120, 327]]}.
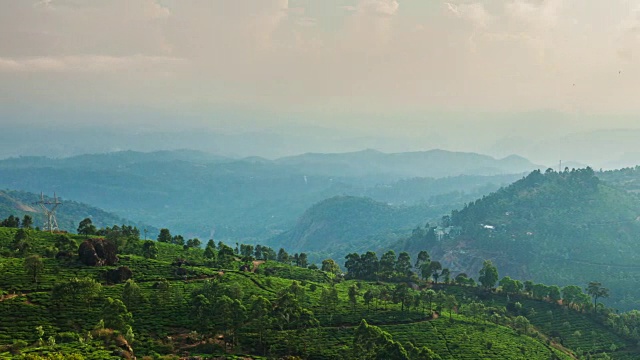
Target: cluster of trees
{"points": [[14, 222], [218, 307], [388, 267], [299, 260], [391, 268], [86, 227], [371, 342]]}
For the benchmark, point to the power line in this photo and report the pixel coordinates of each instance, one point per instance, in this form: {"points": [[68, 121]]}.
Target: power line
{"points": [[51, 223]]}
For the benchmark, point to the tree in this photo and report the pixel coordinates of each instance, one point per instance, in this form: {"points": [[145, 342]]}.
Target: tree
{"points": [[369, 265], [370, 342], [330, 266], [353, 295], [149, 249], [132, 295], [423, 353], [540, 291], [368, 296], [177, 240], [423, 258], [403, 264], [193, 243], [554, 293], [34, 266], [11, 222], [595, 290], [446, 275], [226, 256], [21, 241], [201, 312], [401, 295], [246, 251], [283, 256], [431, 269], [388, 263], [209, 253], [450, 302], [116, 316], [428, 296], [86, 227], [230, 314], [259, 312], [521, 322], [329, 299], [353, 265], [27, 222], [488, 274], [78, 290], [164, 236], [570, 294], [302, 260], [510, 286]]}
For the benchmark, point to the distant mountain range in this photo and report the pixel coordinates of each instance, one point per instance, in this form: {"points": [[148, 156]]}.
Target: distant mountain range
{"points": [[433, 163], [252, 199]]}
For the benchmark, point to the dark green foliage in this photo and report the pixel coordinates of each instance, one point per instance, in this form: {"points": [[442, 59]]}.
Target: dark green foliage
{"points": [[149, 249], [370, 342], [488, 274], [115, 315], [330, 266], [86, 227], [98, 252], [34, 266], [165, 236]]}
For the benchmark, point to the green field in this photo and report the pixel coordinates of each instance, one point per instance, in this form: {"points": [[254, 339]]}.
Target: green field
{"points": [[166, 320]]}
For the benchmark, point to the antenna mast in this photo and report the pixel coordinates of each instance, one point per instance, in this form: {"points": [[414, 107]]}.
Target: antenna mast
{"points": [[51, 223]]}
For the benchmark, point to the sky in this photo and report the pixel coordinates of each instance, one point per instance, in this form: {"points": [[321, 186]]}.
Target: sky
{"points": [[463, 75]]}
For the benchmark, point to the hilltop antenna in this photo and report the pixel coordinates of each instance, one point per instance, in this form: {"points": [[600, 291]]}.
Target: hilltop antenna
{"points": [[51, 223], [560, 167]]}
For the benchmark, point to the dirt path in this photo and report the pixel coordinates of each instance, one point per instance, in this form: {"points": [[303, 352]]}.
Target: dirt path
{"points": [[257, 263], [9, 297]]}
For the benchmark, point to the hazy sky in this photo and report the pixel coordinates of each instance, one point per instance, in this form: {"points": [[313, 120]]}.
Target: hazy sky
{"points": [[385, 66]]}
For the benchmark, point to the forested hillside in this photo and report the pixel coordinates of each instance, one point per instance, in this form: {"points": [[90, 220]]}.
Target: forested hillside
{"points": [[553, 227], [119, 297], [343, 224], [69, 213]]}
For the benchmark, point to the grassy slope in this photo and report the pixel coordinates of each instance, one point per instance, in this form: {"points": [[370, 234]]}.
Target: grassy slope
{"points": [[464, 338]]}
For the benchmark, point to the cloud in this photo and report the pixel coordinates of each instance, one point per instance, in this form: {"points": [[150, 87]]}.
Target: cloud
{"points": [[88, 63], [379, 7], [474, 13], [538, 14]]}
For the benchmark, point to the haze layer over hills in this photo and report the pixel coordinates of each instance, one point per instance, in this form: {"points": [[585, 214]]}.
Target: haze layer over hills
{"points": [[253, 198]]}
